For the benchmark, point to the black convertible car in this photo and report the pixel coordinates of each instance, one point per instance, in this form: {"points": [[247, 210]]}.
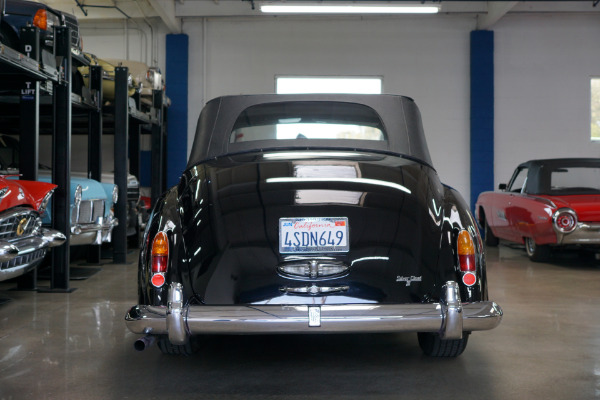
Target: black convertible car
{"points": [[311, 214]]}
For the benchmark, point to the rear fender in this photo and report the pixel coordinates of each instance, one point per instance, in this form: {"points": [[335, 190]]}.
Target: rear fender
{"points": [[162, 219]]}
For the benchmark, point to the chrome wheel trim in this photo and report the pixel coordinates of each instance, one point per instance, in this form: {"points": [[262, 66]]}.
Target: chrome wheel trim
{"points": [[530, 246]]}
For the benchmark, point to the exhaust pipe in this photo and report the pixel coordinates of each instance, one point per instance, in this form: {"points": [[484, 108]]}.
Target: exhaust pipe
{"points": [[144, 342]]}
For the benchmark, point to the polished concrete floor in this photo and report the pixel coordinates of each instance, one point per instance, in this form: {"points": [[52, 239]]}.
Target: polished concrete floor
{"points": [[76, 346]]}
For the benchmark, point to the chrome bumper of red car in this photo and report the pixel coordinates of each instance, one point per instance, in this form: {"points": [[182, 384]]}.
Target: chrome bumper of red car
{"points": [[586, 233], [449, 317], [18, 256]]}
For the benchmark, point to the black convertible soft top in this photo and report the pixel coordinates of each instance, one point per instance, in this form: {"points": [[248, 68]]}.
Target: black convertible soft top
{"points": [[539, 171], [398, 115]]}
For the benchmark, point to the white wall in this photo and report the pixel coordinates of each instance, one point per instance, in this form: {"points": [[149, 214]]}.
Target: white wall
{"points": [[542, 67], [134, 40], [543, 64], [426, 58]]}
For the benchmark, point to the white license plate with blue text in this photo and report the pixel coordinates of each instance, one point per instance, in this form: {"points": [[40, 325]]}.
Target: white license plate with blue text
{"points": [[313, 235]]}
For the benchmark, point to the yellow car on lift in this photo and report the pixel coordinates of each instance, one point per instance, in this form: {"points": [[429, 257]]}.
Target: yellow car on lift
{"points": [[108, 77]]}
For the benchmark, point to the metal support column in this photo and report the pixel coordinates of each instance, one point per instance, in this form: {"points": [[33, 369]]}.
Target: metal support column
{"points": [[482, 113], [95, 146], [119, 238], [134, 149], [157, 157], [30, 132], [61, 161]]}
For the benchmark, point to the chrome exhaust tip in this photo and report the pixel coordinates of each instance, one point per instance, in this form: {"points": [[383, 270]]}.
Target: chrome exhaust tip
{"points": [[144, 342]]}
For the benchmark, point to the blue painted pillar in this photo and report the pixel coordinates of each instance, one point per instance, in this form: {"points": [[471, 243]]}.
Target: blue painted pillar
{"points": [[177, 89], [482, 113]]}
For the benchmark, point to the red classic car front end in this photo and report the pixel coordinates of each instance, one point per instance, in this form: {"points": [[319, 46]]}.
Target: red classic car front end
{"points": [[23, 241]]}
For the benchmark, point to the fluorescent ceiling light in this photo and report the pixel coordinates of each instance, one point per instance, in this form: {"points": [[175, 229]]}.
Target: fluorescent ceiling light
{"points": [[347, 8]]}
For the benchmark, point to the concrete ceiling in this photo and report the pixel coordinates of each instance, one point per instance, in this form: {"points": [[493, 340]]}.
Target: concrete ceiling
{"points": [[172, 12]]}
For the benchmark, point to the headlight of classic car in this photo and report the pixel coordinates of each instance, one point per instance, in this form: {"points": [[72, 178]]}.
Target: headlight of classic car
{"points": [[564, 220], [115, 194], [44, 203], [78, 194]]}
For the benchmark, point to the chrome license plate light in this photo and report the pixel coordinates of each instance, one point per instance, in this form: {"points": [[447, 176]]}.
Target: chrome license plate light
{"points": [[314, 316]]}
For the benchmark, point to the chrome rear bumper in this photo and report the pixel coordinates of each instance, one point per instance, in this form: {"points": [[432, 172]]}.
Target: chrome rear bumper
{"points": [[449, 317], [586, 233]]}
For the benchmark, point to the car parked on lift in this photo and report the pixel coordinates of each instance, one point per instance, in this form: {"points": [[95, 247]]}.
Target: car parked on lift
{"points": [[141, 79], [147, 78], [108, 77], [23, 240], [547, 204], [311, 214], [92, 214], [23, 13]]}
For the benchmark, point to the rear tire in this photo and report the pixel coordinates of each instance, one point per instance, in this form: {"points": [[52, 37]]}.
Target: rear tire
{"points": [[536, 252], [490, 238], [434, 346], [166, 347]]}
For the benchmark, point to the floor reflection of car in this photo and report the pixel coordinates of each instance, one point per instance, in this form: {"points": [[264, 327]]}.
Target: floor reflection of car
{"points": [[547, 204], [92, 216], [23, 240], [311, 214]]}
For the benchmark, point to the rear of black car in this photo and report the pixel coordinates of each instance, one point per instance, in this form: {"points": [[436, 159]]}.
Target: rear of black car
{"points": [[312, 221]]}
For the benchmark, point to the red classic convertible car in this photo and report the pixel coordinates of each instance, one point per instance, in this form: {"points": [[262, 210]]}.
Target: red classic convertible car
{"points": [[547, 204], [23, 241]]}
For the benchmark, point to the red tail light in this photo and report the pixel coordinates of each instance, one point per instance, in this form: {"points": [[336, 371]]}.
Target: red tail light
{"points": [[40, 19], [466, 257], [160, 258]]}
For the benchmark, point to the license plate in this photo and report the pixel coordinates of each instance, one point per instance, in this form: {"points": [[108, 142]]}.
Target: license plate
{"points": [[313, 235]]}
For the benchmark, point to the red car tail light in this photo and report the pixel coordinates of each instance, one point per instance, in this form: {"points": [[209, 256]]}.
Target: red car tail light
{"points": [[160, 258], [40, 19], [466, 257], [565, 220]]}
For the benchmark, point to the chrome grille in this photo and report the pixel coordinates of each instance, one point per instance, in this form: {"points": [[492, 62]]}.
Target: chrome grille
{"points": [[71, 22], [133, 193], [24, 259], [88, 212], [20, 223]]}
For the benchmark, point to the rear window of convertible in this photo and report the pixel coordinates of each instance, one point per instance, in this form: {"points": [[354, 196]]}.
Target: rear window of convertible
{"points": [[308, 120]]}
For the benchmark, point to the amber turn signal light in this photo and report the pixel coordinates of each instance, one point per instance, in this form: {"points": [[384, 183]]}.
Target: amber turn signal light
{"points": [[40, 19]]}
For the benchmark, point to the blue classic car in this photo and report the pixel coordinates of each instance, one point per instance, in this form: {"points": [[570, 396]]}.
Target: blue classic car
{"points": [[92, 216]]}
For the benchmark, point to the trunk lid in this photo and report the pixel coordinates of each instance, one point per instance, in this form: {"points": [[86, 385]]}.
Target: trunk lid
{"points": [[587, 206], [391, 205]]}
